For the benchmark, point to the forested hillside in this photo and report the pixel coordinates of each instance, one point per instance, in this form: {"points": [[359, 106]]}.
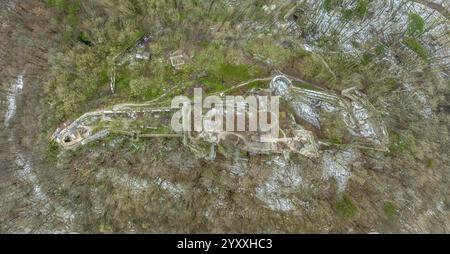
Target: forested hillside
{"points": [[62, 58]]}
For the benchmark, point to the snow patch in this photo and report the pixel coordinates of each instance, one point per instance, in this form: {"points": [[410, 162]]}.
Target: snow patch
{"points": [[135, 184], [307, 112], [284, 180], [422, 99], [175, 190], [26, 173], [363, 118], [336, 164], [15, 90]]}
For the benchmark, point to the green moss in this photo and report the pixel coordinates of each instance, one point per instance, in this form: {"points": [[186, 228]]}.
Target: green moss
{"points": [[115, 125], [145, 88], [223, 74], [359, 11], [68, 12], [367, 58], [336, 140], [152, 92], [232, 71], [362, 8], [303, 85], [390, 209], [72, 13], [398, 144], [329, 42], [391, 84], [430, 163], [52, 151], [329, 5], [83, 38], [269, 50], [258, 84], [60, 5], [213, 84], [346, 207], [416, 25], [123, 81], [333, 128], [416, 46], [347, 14], [380, 49]]}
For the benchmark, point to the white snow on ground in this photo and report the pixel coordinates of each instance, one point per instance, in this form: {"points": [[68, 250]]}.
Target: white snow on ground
{"points": [[389, 17], [175, 190], [426, 111], [363, 118], [336, 164], [307, 113], [135, 184], [239, 167], [15, 90], [438, 209], [138, 185], [26, 173], [421, 98], [284, 180]]}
